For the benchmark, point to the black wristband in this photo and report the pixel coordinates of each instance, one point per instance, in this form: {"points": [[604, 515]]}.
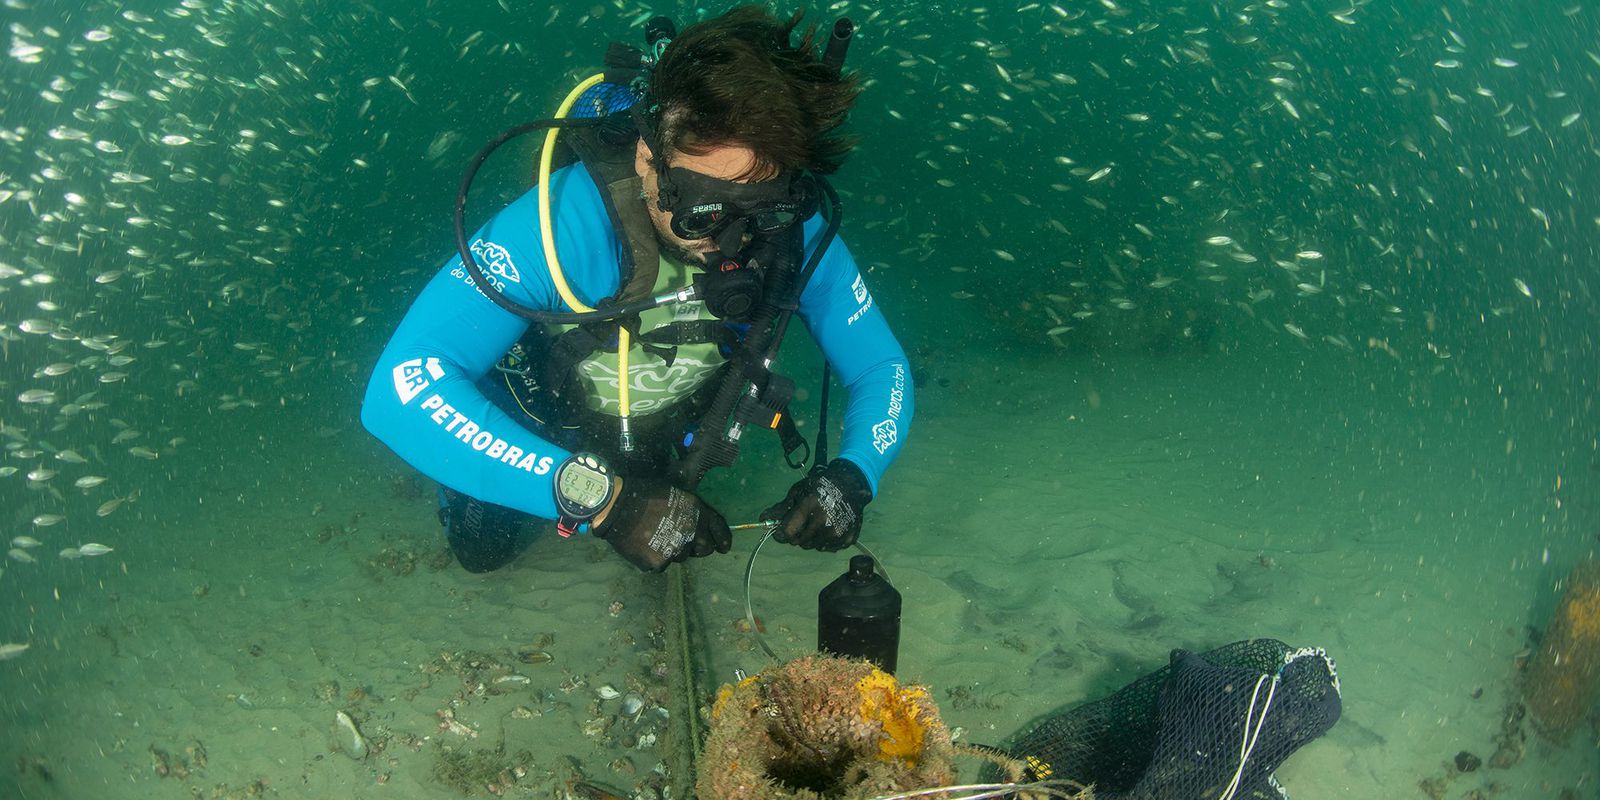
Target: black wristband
{"points": [[850, 480]]}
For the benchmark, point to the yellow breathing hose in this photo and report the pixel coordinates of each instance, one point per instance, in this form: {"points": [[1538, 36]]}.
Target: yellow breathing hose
{"points": [[572, 301]]}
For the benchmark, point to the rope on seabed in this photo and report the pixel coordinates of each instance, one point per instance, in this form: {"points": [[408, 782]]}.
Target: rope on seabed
{"points": [[1252, 731], [1016, 787], [1049, 788], [691, 725]]}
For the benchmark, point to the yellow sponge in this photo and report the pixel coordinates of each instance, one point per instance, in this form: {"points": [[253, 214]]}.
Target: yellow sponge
{"points": [[1564, 676]]}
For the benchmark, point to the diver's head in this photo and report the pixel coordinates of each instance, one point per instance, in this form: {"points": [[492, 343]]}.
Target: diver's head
{"points": [[735, 114]]}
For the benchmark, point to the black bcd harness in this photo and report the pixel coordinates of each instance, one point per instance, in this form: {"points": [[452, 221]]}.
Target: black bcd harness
{"points": [[606, 151]]}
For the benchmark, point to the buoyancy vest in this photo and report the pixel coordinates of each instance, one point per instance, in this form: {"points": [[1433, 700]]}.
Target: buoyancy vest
{"points": [[676, 348]]}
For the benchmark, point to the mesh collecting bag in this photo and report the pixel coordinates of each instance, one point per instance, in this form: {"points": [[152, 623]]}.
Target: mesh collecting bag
{"points": [[1208, 726]]}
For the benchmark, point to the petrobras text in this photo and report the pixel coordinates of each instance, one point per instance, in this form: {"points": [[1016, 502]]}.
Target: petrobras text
{"points": [[484, 441]]}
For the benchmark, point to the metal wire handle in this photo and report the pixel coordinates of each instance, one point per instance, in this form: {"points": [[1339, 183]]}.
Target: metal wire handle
{"points": [[771, 526]]}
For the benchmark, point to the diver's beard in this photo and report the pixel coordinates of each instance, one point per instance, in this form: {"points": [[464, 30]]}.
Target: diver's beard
{"points": [[680, 253], [672, 245]]}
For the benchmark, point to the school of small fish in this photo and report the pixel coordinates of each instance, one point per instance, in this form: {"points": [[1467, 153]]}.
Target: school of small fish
{"points": [[1324, 172], [200, 205]]}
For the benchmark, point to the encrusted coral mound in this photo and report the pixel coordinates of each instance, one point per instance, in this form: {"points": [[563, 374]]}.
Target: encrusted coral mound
{"points": [[1563, 679], [822, 728]]}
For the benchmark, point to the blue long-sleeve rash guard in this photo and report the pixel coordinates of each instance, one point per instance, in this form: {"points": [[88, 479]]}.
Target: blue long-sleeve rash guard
{"points": [[423, 402]]}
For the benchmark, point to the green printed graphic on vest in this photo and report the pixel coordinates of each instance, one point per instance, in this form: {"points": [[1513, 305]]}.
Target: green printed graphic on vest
{"points": [[654, 384]]}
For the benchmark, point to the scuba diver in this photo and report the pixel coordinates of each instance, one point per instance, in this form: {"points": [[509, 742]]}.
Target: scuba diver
{"points": [[694, 222]]}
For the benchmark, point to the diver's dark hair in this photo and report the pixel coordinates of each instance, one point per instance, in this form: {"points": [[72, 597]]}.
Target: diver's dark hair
{"points": [[737, 79]]}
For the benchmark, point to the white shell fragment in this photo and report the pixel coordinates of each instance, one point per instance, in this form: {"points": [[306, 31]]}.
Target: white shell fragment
{"points": [[348, 737], [632, 705]]}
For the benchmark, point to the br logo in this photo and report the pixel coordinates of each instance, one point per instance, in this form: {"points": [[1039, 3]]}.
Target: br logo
{"points": [[411, 377]]}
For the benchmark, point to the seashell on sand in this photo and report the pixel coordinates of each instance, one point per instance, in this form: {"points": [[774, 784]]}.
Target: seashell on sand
{"points": [[632, 705], [348, 737]]}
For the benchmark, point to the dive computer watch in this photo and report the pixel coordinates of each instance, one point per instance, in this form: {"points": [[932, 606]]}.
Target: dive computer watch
{"points": [[584, 485]]}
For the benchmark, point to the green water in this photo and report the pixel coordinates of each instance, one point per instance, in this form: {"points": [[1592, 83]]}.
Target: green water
{"points": [[1227, 320]]}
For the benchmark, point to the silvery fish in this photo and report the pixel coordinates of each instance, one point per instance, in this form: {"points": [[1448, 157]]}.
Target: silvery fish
{"points": [[111, 505]]}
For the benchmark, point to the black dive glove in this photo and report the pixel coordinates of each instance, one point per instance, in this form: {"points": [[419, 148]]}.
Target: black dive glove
{"points": [[823, 510], [654, 523]]}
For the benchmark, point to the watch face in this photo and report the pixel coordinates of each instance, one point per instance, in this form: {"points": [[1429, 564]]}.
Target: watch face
{"points": [[582, 486]]}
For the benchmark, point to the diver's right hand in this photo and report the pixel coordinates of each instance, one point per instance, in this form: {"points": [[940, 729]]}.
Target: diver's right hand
{"points": [[653, 523]]}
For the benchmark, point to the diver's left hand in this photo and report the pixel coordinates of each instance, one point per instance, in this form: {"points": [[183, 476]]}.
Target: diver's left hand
{"points": [[823, 510]]}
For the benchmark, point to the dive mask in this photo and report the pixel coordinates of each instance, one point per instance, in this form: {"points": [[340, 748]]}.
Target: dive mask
{"points": [[704, 207]]}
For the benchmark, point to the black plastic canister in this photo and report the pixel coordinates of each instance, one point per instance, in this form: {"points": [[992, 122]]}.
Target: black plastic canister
{"points": [[858, 616]]}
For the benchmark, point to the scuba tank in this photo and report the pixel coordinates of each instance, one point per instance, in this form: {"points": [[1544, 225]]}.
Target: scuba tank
{"points": [[858, 616]]}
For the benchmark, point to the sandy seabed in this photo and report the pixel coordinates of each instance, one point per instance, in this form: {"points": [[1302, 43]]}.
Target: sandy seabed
{"points": [[1055, 533]]}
